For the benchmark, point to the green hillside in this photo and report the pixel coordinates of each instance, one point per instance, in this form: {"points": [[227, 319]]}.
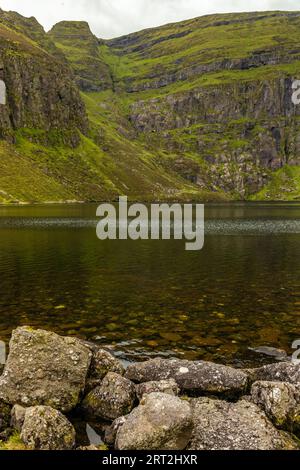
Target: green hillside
{"points": [[197, 110]]}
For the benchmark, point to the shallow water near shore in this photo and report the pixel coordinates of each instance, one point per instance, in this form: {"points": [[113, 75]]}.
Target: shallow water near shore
{"points": [[152, 298]]}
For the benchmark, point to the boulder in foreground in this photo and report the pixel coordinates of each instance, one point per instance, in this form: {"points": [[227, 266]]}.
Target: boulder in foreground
{"points": [[44, 369], [199, 376], [279, 372], [220, 425], [280, 401], [160, 422], [168, 386], [115, 397]]}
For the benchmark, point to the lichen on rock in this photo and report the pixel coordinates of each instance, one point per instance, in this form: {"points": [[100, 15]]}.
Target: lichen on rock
{"points": [[43, 368]]}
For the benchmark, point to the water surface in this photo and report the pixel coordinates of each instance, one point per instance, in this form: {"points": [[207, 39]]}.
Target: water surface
{"points": [[149, 298]]}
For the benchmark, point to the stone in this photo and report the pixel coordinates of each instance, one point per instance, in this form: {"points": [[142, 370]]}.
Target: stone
{"points": [[115, 397], [278, 354], [280, 401], [111, 431], [6, 434], [45, 428], [17, 417], [104, 362], [196, 376], [44, 369], [88, 448], [279, 372], [160, 422], [164, 386], [4, 416], [91, 384], [221, 425]]}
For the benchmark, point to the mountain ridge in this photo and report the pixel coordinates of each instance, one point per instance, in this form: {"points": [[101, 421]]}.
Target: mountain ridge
{"points": [[197, 110]]}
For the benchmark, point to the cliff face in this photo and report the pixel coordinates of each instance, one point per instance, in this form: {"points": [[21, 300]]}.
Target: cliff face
{"points": [[200, 109], [216, 92], [242, 132]]}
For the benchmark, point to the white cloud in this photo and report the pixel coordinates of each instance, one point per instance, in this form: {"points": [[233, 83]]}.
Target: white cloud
{"points": [[111, 18]]}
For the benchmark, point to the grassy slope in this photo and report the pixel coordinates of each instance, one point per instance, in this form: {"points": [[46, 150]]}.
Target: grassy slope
{"points": [[207, 40]]}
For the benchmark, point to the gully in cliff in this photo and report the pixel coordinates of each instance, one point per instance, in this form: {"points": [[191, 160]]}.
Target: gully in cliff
{"points": [[160, 221]]}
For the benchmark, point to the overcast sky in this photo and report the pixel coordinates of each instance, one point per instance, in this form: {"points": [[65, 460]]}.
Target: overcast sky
{"points": [[112, 18]]}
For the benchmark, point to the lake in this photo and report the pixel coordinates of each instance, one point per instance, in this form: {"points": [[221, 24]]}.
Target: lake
{"points": [[152, 298]]}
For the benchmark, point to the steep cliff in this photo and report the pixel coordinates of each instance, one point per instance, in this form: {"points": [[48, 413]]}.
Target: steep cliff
{"points": [[41, 94], [216, 94]]}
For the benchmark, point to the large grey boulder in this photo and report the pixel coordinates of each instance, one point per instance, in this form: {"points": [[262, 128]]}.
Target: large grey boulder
{"points": [[279, 372], [199, 376], [280, 401], [160, 422], [168, 386], [115, 397], [220, 425], [47, 429], [44, 369]]}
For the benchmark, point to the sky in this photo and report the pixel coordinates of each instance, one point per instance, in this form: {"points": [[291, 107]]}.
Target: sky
{"points": [[113, 18]]}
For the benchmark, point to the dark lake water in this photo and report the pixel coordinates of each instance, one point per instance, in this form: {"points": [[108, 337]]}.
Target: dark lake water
{"points": [[150, 298]]}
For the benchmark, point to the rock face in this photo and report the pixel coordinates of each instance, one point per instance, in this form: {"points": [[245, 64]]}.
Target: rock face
{"points": [[102, 363], [282, 372], [41, 93], [200, 376], [219, 425], [44, 369], [229, 110], [160, 422], [169, 387], [280, 401], [47, 429], [113, 398]]}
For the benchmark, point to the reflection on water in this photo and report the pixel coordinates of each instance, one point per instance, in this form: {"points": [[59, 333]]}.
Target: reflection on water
{"points": [[147, 298]]}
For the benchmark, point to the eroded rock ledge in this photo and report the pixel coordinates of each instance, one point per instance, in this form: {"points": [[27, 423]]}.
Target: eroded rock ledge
{"points": [[49, 381]]}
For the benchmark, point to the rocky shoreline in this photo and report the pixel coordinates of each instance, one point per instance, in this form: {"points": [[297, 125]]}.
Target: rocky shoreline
{"points": [[50, 383]]}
